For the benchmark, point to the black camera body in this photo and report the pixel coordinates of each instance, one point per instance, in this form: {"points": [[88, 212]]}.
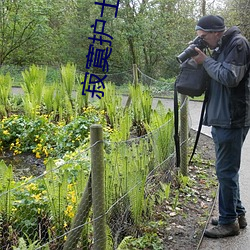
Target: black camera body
{"points": [[190, 51]]}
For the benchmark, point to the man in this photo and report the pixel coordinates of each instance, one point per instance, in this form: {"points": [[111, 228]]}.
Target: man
{"points": [[228, 112]]}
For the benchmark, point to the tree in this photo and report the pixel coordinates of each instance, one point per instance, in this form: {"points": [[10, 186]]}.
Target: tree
{"points": [[237, 13], [21, 21]]}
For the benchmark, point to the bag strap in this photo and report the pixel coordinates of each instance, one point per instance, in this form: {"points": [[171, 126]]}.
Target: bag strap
{"points": [[176, 126], [199, 127]]}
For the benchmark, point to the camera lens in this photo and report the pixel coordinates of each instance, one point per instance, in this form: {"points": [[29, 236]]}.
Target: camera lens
{"points": [[187, 53], [190, 51]]}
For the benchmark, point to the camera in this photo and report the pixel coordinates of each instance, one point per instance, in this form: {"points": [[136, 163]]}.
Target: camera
{"points": [[190, 51]]}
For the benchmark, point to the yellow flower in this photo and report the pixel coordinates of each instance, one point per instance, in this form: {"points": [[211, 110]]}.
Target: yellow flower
{"points": [[45, 151], [73, 199], [37, 196], [38, 155], [69, 211], [14, 209], [17, 152], [103, 112], [6, 132], [31, 186]]}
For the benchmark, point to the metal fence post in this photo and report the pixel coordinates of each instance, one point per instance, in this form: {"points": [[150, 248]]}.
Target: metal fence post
{"points": [[98, 195]]}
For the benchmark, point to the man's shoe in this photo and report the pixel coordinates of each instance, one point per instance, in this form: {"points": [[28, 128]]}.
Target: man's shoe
{"points": [[241, 219], [221, 231]]}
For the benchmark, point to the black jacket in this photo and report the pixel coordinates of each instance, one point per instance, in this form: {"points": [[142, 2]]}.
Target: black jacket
{"points": [[229, 90]]}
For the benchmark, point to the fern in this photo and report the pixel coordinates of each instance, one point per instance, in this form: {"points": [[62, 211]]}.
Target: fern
{"points": [[48, 98], [161, 126], [56, 185], [68, 74], [114, 107], [6, 184], [5, 90], [33, 86]]}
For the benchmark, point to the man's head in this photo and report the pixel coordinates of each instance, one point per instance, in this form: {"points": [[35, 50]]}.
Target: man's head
{"points": [[211, 29]]}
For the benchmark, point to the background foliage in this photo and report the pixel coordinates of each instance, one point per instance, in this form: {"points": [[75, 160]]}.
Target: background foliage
{"points": [[149, 33]]}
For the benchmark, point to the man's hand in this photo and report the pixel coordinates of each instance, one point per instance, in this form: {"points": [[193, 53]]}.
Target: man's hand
{"points": [[200, 58]]}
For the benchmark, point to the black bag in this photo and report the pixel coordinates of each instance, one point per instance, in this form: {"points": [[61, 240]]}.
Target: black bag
{"points": [[192, 80]]}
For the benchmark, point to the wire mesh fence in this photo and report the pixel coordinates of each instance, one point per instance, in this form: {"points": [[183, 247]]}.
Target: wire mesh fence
{"points": [[46, 210], [55, 210]]}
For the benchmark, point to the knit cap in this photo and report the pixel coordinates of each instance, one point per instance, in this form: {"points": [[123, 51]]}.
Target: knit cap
{"points": [[210, 23]]}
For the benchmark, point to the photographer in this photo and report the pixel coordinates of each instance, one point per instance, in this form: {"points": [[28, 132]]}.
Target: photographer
{"points": [[228, 112]]}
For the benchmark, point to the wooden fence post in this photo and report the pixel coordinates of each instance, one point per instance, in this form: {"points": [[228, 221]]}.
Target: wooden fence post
{"points": [[135, 74], [184, 135], [98, 194], [80, 218]]}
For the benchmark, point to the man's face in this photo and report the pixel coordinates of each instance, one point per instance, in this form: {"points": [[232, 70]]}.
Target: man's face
{"points": [[211, 38]]}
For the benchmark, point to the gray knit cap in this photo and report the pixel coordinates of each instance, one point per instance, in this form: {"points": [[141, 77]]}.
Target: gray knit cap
{"points": [[210, 23]]}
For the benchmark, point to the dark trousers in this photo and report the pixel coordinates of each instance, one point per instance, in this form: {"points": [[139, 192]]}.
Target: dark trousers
{"points": [[228, 145]]}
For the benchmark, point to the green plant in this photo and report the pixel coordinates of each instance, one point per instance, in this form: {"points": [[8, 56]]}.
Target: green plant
{"points": [[62, 104], [121, 131], [176, 199], [81, 101], [30, 208], [64, 184], [141, 104], [126, 172], [33, 85], [56, 187], [184, 181], [5, 89], [23, 134], [44, 137], [164, 191], [147, 241], [28, 244], [68, 74], [6, 196], [23, 246], [161, 128], [48, 98], [113, 109]]}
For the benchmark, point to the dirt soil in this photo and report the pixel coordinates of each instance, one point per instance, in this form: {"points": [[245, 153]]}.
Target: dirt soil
{"points": [[187, 222]]}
